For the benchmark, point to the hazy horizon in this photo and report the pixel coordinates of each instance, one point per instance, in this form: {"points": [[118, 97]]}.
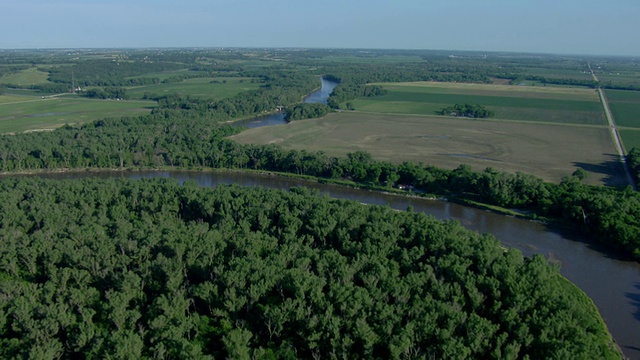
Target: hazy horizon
{"points": [[570, 27]]}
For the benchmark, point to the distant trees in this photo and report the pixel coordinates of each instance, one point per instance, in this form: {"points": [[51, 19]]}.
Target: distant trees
{"points": [[467, 110], [107, 93]]}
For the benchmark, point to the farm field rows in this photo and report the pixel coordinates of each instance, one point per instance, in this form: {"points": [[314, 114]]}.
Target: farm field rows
{"points": [[625, 107], [630, 138], [528, 103], [35, 113], [546, 150]]}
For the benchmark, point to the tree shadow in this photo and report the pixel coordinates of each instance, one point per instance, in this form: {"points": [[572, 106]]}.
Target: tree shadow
{"points": [[574, 232], [612, 169], [634, 298]]}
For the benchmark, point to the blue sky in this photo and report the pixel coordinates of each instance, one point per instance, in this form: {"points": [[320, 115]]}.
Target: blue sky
{"points": [[549, 26]]}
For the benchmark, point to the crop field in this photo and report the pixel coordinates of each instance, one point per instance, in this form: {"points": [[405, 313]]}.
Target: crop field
{"points": [[549, 151], [526, 103], [198, 87], [625, 107], [30, 76], [630, 138], [20, 113]]}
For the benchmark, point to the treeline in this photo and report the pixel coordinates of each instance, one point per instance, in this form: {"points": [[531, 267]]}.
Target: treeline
{"points": [[46, 88], [306, 111], [107, 93], [150, 269], [467, 110], [555, 81], [192, 141], [109, 72]]}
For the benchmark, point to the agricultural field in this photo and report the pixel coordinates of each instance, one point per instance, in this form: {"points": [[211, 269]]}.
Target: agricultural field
{"points": [[31, 76], [630, 138], [22, 113], [524, 103], [625, 107], [549, 151], [217, 88]]}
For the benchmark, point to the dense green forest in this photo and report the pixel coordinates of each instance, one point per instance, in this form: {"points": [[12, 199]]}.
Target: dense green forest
{"points": [[151, 269]]}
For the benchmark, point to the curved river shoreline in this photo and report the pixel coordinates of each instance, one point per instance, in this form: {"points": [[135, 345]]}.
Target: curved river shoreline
{"points": [[613, 285]]}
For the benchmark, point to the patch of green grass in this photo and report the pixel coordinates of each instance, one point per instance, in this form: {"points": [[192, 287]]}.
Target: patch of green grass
{"points": [[54, 112], [31, 76], [213, 88], [630, 138]]}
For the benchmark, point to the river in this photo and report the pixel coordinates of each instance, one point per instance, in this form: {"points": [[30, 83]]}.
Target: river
{"points": [[613, 284], [319, 96]]}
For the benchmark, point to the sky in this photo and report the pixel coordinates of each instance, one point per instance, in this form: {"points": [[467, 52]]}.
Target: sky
{"points": [[540, 26]]}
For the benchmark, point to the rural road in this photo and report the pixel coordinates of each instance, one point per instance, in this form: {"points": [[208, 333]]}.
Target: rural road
{"points": [[614, 132]]}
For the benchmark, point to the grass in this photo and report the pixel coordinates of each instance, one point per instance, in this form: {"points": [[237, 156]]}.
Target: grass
{"points": [[527, 103], [31, 76], [630, 138], [36, 113], [625, 107], [549, 151], [198, 87]]}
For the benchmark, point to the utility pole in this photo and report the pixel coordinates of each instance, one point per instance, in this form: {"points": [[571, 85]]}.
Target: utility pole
{"points": [[73, 82]]}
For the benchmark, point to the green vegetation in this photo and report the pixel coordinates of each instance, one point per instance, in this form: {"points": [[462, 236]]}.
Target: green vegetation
{"points": [[306, 111], [31, 76], [467, 110], [574, 106], [144, 269], [625, 107], [633, 158], [154, 269], [630, 138], [211, 88], [53, 112]]}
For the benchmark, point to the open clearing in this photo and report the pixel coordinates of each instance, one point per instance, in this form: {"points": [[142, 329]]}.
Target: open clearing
{"points": [[199, 87], [625, 107], [34, 113], [528, 103], [549, 151], [31, 76]]}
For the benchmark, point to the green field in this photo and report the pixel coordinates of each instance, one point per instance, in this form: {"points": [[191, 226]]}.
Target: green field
{"points": [[630, 138], [198, 87], [549, 151], [625, 107], [26, 77], [528, 103], [20, 113]]}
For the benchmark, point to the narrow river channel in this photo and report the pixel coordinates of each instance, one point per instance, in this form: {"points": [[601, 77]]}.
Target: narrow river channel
{"points": [[613, 284]]}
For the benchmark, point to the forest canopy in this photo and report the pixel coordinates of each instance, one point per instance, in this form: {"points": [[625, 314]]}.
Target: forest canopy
{"points": [[152, 269]]}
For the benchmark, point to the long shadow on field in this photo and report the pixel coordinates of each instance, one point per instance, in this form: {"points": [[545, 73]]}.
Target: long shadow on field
{"points": [[612, 169]]}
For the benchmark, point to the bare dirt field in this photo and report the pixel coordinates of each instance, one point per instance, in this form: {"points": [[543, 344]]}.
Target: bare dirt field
{"points": [[548, 151]]}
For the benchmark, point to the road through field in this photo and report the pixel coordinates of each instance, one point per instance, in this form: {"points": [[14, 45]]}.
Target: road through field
{"points": [[616, 137]]}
